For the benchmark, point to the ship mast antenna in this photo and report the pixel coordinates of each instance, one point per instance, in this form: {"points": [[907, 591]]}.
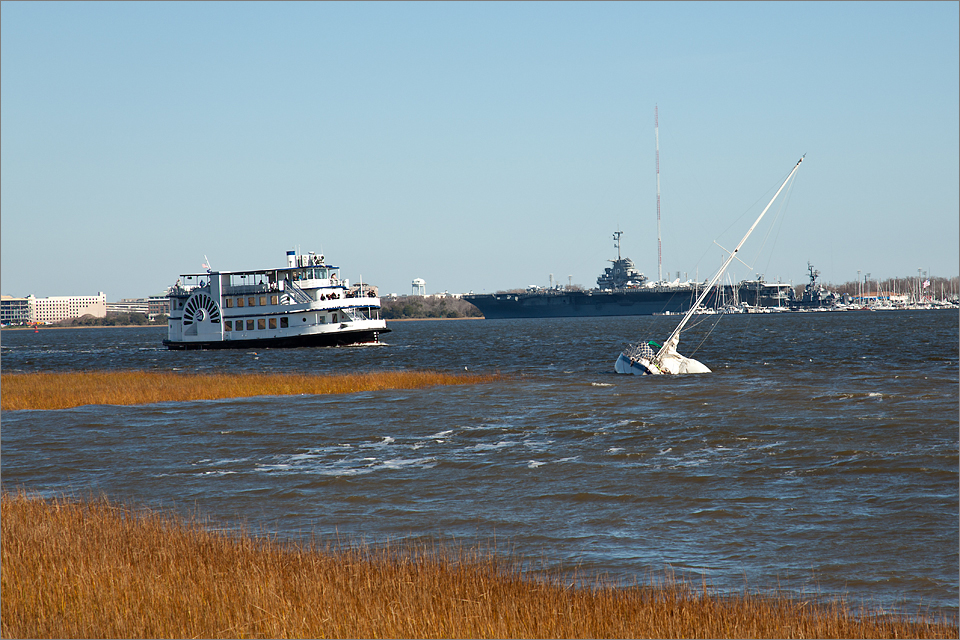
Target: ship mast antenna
{"points": [[656, 128]]}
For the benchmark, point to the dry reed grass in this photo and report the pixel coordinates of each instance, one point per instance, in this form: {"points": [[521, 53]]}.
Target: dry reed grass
{"points": [[65, 390], [91, 568]]}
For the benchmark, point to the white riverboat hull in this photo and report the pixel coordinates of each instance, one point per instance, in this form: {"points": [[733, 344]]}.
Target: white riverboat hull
{"points": [[342, 338]]}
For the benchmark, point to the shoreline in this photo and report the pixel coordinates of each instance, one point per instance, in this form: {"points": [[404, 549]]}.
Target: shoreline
{"points": [[95, 568]]}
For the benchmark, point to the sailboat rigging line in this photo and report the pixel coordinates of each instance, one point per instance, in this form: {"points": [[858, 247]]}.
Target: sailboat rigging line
{"points": [[776, 217], [739, 218], [704, 339], [779, 227], [676, 332]]}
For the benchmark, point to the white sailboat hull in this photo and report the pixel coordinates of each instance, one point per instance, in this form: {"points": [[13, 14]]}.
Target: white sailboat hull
{"points": [[635, 367], [681, 364], [667, 360], [676, 365]]}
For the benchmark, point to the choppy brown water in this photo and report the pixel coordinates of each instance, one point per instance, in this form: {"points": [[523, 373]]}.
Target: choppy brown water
{"points": [[821, 455]]}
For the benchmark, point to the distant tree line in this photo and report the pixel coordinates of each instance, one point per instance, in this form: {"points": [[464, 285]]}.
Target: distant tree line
{"points": [[426, 307], [112, 320]]}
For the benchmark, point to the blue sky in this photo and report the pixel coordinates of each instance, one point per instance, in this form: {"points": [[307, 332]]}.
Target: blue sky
{"points": [[478, 146]]}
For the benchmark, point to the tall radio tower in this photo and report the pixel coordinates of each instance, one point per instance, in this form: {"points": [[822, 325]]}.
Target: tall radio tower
{"points": [[656, 128]]}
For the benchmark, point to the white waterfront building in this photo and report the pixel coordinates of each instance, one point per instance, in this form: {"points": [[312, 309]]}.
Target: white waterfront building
{"points": [[14, 310], [52, 309]]}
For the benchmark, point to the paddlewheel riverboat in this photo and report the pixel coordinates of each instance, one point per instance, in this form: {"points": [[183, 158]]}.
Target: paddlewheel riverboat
{"points": [[304, 304]]}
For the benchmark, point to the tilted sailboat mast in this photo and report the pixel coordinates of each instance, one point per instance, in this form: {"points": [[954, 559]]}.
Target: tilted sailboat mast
{"points": [[667, 345]]}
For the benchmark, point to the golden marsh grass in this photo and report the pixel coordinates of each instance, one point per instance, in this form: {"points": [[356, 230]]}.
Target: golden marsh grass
{"points": [[95, 569], [65, 390]]}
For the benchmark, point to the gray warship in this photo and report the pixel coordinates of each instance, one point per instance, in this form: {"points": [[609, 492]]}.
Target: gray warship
{"points": [[623, 291]]}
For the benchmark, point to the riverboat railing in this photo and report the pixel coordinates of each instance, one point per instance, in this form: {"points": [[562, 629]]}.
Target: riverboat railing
{"points": [[295, 293]]}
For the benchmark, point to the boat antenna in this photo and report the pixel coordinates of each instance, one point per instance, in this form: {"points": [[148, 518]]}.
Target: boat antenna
{"points": [[656, 129], [723, 268]]}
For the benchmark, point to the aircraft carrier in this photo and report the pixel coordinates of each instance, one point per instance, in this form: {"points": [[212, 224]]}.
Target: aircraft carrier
{"points": [[624, 291]]}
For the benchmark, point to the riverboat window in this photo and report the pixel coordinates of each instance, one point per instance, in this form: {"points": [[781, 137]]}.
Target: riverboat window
{"points": [[334, 317], [229, 303], [239, 325], [251, 301], [249, 325], [273, 323], [263, 301], [274, 299], [284, 323], [261, 324], [228, 326], [239, 302]]}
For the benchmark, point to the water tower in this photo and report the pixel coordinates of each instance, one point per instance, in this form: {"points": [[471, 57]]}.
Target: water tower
{"points": [[419, 287]]}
